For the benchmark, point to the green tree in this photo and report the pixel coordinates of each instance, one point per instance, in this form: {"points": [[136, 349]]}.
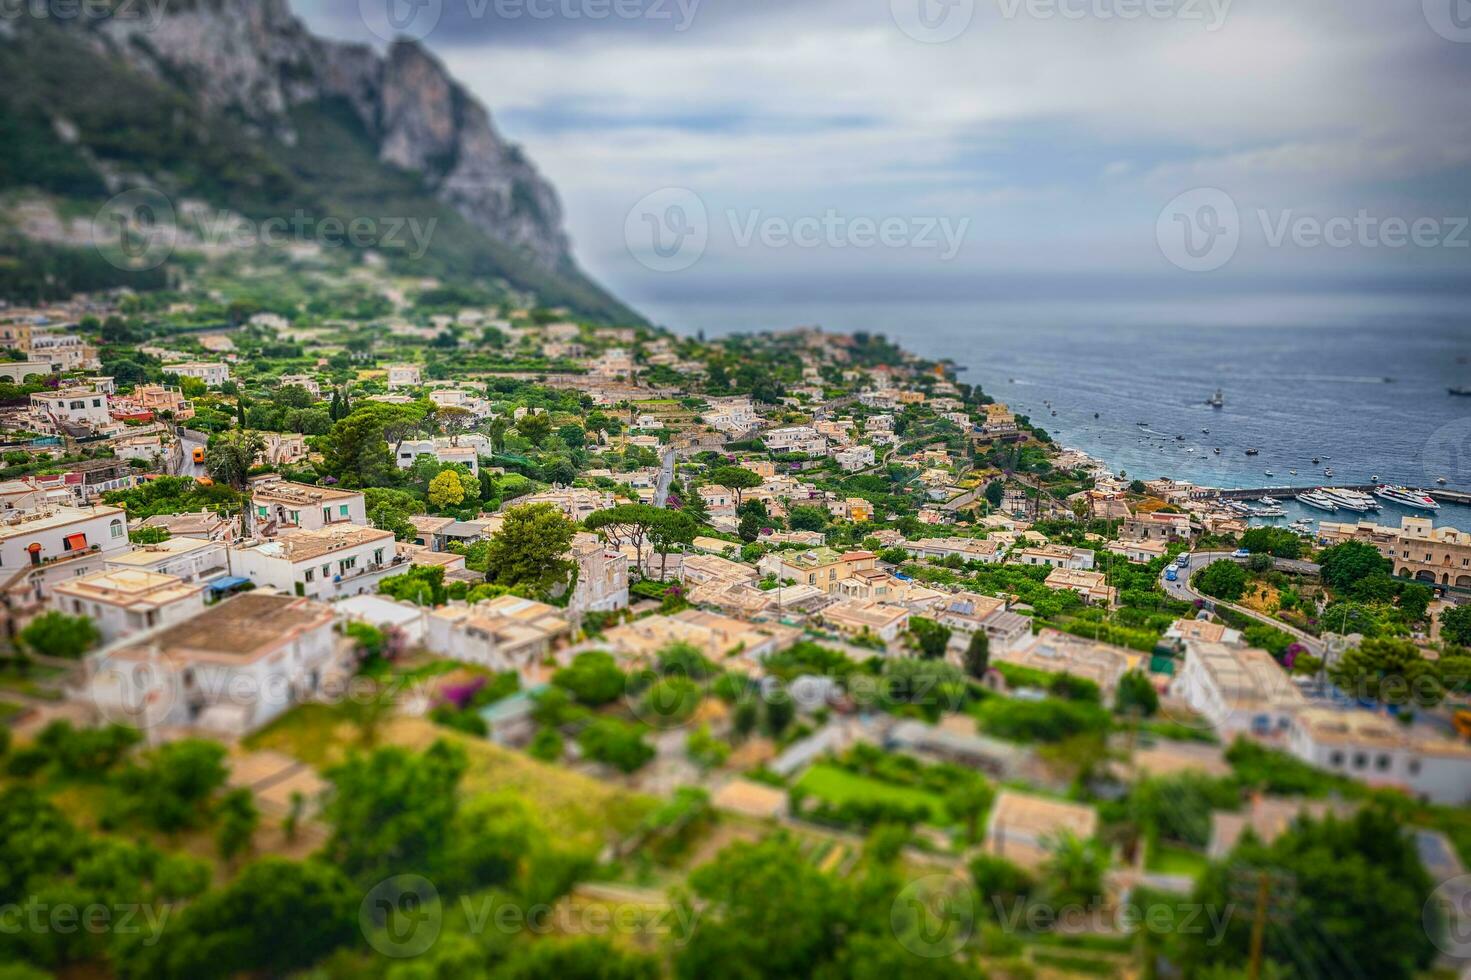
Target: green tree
{"points": [[736, 479], [172, 785], [995, 493], [55, 634], [391, 810], [535, 427], [593, 678], [1223, 580], [577, 959], [749, 528], [967, 801], [230, 455], [531, 548], [238, 818], [1455, 625], [978, 654], [769, 913], [277, 918], [1074, 869], [1345, 564], [1357, 896], [423, 585], [1391, 671], [445, 490], [1136, 692], [691, 503], [670, 529], [616, 743], [933, 638]]}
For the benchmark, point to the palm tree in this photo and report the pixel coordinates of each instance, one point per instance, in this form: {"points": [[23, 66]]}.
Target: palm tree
{"points": [[1074, 868]]}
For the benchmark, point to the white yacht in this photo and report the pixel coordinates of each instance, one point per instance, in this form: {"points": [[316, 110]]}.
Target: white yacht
{"points": [[1405, 497], [1352, 500], [1318, 499]]}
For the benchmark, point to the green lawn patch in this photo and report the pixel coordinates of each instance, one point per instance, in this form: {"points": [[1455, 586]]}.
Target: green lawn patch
{"points": [[838, 786], [1169, 859]]}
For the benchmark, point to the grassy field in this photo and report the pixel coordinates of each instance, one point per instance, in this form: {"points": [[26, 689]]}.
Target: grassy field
{"points": [[838, 786], [571, 807], [1171, 860]]}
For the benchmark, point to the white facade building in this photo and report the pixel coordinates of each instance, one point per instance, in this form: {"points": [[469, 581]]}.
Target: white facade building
{"points": [[325, 564], [122, 603]]}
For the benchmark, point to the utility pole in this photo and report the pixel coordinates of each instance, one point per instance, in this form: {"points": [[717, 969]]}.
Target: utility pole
{"points": [[1259, 924], [1270, 894]]}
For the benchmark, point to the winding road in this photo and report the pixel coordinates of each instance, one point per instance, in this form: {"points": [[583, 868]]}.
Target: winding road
{"points": [[1183, 590]]}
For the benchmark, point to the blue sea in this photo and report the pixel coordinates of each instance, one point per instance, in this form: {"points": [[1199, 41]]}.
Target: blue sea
{"points": [[1357, 380]]}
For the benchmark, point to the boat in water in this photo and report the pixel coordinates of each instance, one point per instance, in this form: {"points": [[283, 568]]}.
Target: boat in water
{"points": [[1218, 400], [1253, 452], [1268, 512], [1406, 497], [1460, 391], [1351, 500], [1317, 499]]}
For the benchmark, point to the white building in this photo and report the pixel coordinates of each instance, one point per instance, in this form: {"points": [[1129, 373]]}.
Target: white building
{"points": [[1239, 690], [42, 547], [210, 372], [125, 602], [795, 439], [277, 504], [443, 451], [1057, 556], [507, 633], [189, 559], [230, 669], [329, 563], [1379, 751], [403, 376], [602, 575], [78, 406], [854, 458]]}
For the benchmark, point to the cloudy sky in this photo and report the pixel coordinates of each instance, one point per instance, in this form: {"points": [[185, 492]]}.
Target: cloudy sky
{"points": [[806, 145]]}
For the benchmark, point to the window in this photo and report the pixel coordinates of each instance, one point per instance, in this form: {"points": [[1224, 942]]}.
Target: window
{"points": [[342, 511], [1382, 763], [1361, 759], [378, 556], [1336, 760], [117, 529], [348, 563], [311, 574], [97, 403], [77, 406], [1414, 767], [326, 513]]}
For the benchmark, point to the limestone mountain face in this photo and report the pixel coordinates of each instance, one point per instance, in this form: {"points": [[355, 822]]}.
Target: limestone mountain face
{"points": [[255, 60]]}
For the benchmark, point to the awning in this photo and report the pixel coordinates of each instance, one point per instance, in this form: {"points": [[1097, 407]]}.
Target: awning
{"points": [[227, 582], [76, 542]]}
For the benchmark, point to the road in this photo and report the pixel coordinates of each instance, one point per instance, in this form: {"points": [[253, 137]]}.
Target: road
{"points": [[666, 479], [1181, 589], [181, 462]]}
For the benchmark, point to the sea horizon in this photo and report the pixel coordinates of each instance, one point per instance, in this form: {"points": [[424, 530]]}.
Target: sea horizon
{"points": [[1358, 381]]}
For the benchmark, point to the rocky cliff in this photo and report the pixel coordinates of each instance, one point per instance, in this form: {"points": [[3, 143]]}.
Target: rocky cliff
{"points": [[255, 60]]}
